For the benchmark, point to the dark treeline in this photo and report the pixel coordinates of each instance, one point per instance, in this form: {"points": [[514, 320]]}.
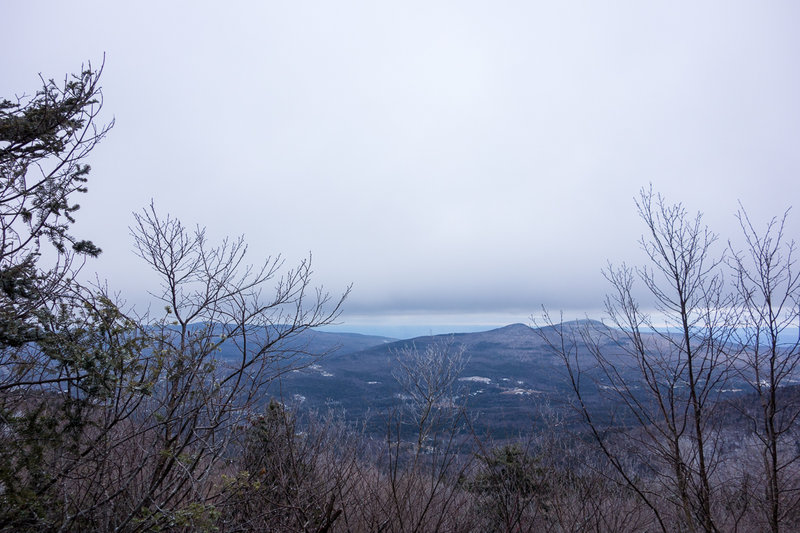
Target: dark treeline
{"points": [[116, 421]]}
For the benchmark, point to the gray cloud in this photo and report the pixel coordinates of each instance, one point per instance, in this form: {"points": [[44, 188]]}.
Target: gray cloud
{"points": [[453, 158]]}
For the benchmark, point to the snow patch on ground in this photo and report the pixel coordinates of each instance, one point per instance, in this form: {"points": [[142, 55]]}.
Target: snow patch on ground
{"points": [[322, 372], [521, 392], [477, 379]]}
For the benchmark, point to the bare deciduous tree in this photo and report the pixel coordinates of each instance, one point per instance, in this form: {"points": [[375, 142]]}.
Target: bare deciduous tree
{"points": [[227, 331], [768, 286], [415, 488], [428, 378], [671, 373]]}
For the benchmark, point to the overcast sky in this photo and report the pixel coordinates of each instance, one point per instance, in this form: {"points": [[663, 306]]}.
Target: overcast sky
{"points": [[458, 162]]}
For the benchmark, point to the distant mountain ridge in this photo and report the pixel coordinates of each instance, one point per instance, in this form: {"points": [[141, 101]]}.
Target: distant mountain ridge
{"points": [[511, 375], [511, 372]]}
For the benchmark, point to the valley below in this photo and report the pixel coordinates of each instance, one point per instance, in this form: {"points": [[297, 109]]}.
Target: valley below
{"points": [[511, 380]]}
